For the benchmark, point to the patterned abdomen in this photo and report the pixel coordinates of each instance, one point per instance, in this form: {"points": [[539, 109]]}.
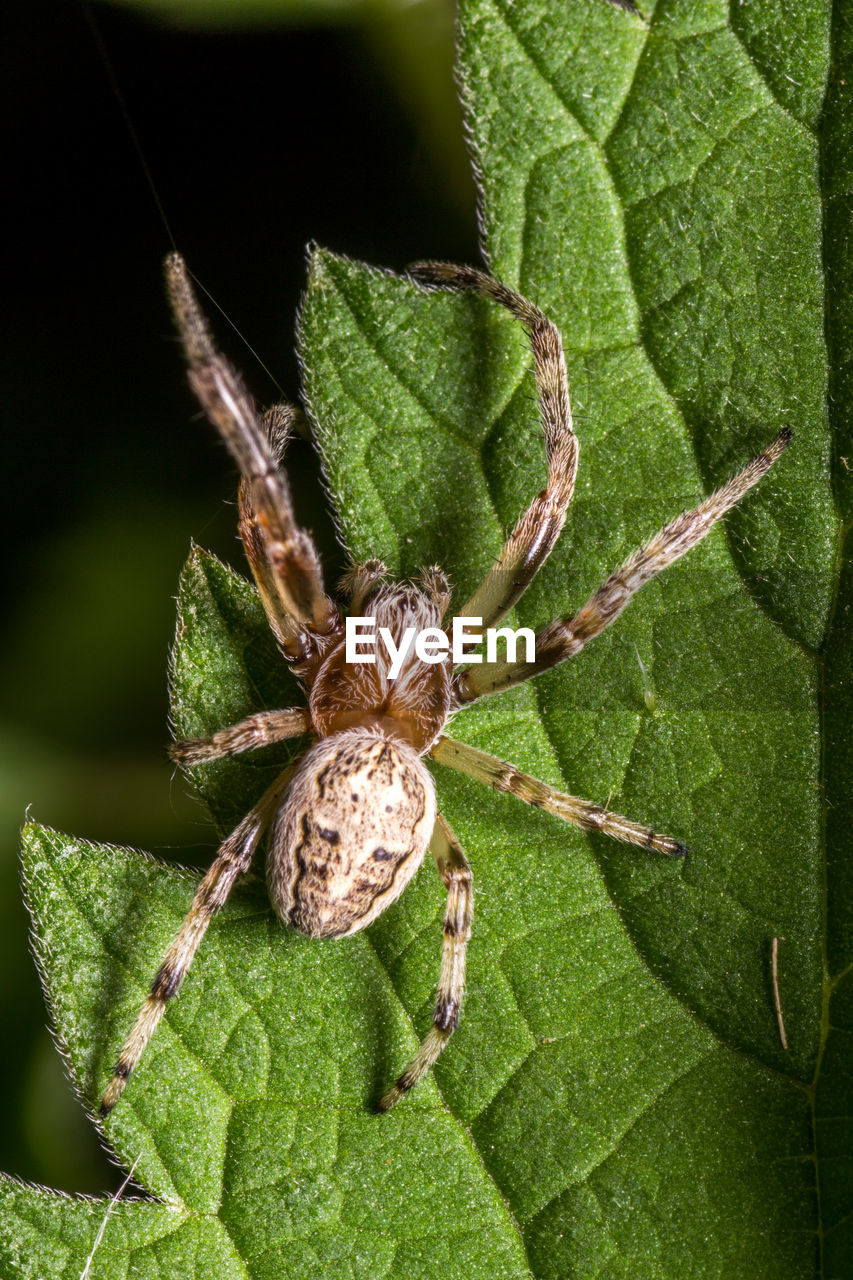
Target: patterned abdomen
{"points": [[351, 833]]}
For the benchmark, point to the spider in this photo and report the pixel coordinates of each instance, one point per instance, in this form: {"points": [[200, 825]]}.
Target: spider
{"points": [[351, 819]]}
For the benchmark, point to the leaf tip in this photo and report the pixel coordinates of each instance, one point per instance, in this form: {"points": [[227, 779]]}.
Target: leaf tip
{"points": [[34, 835], [319, 260]]}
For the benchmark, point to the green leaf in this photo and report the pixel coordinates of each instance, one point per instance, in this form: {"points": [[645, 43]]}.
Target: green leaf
{"points": [[677, 192]]}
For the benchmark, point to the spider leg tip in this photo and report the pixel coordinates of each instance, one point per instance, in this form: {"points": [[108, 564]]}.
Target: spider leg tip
{"points": [[176, 271], [390, 1098]]}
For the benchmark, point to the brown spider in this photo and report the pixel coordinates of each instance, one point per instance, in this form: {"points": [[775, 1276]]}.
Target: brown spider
{"points": [[352, 818]]}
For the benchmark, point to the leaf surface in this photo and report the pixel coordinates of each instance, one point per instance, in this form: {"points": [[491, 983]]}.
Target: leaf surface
{"points": [[676, 192]]}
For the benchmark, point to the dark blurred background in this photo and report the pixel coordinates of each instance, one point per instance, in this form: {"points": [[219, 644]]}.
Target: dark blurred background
{"points": [[264, 125]]}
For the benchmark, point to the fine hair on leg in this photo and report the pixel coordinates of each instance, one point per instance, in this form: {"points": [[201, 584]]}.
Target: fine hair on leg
{"points": [[277, 425], [258, 730], [567, 636], [282, 555], [233, 859], [538, 529], [502, 776], [456, 874]]}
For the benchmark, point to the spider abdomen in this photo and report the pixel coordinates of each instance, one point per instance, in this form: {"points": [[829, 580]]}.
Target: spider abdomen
{"points": [[351, 833]]}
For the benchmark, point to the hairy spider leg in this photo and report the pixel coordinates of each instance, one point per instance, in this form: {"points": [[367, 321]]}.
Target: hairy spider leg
{"points": [[456, 874], [502, 776], [567, 636], [233, 859], [276, 424], [257, 730], [538, 529], [282, 555]]}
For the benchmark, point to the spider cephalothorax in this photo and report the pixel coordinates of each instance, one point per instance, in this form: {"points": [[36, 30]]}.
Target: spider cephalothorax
{"points": [[350, 822], [413, 704]]}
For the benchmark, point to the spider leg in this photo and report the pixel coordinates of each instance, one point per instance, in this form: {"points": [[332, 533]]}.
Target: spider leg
{"points": [[282, 555], [234, 857], [361, 579], [277, 424], [583, 813], [567, 636], [436, 585], [456, 874], [255, 731], [533, 537]]}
